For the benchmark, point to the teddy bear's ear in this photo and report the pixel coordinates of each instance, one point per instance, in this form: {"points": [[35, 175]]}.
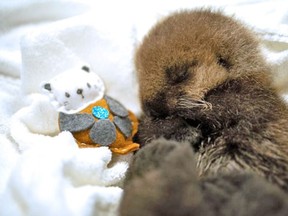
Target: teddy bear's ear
{"points": [[47, 86], [86, 68]]}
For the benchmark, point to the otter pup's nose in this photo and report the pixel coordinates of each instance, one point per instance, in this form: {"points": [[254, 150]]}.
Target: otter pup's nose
{"points": [[157, 107]]}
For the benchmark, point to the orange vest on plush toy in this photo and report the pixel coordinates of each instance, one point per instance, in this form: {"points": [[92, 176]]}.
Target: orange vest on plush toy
{"points": [[103, 123]]}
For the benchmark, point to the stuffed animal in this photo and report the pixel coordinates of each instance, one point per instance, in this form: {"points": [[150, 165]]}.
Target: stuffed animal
{"points": [[93, 118]]}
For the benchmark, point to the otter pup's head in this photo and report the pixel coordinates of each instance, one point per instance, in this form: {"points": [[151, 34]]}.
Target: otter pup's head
{"points": [[188, 54]]}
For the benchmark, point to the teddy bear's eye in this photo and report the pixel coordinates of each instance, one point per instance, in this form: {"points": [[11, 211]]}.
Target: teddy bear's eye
{"points": [[85, 68], [88, 84], [67, 94], [47, 86]]}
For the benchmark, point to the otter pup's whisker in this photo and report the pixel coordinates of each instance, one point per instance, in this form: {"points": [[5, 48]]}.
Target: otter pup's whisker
{"points": [[190, 104]]}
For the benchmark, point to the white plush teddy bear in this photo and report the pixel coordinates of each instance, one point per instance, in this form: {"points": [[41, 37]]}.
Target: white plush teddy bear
{"points": [[94, 119], [74, 89]]}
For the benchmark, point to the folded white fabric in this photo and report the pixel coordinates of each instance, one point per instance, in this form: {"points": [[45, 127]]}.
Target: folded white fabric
{"points": [[52, 171], [21, 16], [51, 175], [60, 179], [43, 172]]}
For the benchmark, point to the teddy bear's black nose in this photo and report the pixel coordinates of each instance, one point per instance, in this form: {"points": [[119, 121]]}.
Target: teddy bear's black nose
{"points": [[80, 92]]}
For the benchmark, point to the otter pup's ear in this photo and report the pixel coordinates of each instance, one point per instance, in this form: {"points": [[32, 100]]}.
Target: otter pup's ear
{"points": [[86, 68]]}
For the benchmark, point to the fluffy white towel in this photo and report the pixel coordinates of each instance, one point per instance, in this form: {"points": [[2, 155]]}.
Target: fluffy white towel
{"points": [[62, 180], [49, 174], [44, 172]]}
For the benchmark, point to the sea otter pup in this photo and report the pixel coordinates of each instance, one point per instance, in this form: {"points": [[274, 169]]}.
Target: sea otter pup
{"points": [[204, 81]]}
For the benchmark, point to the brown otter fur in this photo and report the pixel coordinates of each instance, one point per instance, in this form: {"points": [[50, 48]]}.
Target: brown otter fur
{"points": [[202, 69], [203, 80], [163, 180]]}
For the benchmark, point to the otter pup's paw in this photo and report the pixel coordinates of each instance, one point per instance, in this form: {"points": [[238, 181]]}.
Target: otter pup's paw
{"points": [[163, 181], [171, 128], [239, 193], [188, 134], [157, 154]]}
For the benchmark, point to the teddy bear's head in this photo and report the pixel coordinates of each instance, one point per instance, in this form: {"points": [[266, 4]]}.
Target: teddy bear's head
{"points": [[74, 89]]}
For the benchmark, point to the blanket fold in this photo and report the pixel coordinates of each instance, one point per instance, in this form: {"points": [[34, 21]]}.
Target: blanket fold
{"points": [[42, 170]]}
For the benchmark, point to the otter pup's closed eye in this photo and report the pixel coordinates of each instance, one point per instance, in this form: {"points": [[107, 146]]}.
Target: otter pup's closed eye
{"points": [[179, 73], [202, 77]]}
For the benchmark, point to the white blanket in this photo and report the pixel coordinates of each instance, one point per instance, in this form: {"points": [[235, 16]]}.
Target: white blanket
{"points": [[43, 172]]}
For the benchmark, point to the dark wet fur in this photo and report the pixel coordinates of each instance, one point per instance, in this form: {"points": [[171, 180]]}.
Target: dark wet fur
{"points": [[247, 125], [163, 180]]}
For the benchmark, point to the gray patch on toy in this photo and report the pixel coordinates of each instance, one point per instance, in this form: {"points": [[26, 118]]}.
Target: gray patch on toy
{"points": [[124, 125], [116, 107], [75, 122], [103, 132]]}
